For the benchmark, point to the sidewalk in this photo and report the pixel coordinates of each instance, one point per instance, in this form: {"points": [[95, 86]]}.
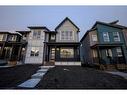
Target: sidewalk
{"points": [[124, 75]]}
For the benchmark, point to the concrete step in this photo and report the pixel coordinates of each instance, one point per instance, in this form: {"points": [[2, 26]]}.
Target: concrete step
{"points": [[42, 70], [30, 83], [38, 75]]}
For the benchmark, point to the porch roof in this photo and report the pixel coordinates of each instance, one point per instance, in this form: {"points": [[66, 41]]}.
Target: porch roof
{"points": [[63, 43], [107, 45]]}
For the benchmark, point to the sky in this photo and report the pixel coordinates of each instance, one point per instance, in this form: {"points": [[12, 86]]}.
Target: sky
{"points": [[16, 18]]}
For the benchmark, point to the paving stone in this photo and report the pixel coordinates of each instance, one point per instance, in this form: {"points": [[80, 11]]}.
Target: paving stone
{"points": [[38, 75], [30, 83], [46, 67], [120, 74], [42, 70]]}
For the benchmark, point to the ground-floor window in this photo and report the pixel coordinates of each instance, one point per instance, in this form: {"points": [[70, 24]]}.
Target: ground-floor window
{"points": [[66, 52], [119, 52], [34, 51]]}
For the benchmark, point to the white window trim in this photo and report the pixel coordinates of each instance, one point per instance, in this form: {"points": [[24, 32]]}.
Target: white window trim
{"points": [[118, 37], [107, 35], [94, 37]]}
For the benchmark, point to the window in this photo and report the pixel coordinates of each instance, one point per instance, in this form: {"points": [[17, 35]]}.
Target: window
{"points": [[95, 53], [36, 34], [1, 37], [108, 52], [52, 37], [34, 51], [67, 53], [94, 37], [119, 52], [106, 37], [12, 38], [116, 36], [66, 35]]}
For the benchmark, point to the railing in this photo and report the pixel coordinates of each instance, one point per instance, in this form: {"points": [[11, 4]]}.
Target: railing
{"points": [[114, 60]]}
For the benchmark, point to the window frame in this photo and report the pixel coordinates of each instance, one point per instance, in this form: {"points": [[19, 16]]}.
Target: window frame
{"points": [[35, 53], [116, 35], [106, 34], [67, 55], [67, 35], [36, 34]]}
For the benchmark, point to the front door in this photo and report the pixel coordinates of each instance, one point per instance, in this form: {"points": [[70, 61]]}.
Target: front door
{"points": [[52, 54]]}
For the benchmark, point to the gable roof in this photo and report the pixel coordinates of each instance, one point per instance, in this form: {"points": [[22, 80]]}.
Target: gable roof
{"points": [[108, 24], [64, 22]]}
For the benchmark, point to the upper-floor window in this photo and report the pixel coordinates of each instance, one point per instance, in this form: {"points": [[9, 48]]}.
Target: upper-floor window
{"points": [[106, 37], [66, 35], [94, 37], [116, 36], [12, 38], [34, 51], [36, 34], [52, 37]]}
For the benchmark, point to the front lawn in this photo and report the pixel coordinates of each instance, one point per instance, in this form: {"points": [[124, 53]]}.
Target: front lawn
{"points": [[72, 77]]}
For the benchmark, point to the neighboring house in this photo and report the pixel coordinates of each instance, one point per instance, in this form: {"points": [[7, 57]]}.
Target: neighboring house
{"points": [[35, 46], [62, 46], [104, 44], [10, 47]]}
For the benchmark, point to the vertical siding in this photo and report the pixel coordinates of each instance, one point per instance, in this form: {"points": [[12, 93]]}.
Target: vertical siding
{"points": [[86, 56], [110, 30], [67, 26], [35, 43]]}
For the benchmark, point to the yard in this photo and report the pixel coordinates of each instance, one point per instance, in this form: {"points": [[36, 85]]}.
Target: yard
{"points": [[70, 77], [10, 77], [61, 77]]}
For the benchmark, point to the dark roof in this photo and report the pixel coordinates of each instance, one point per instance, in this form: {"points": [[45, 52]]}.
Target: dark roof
{"points": [[38, 27], [63, 43], [108, 24], [50, 31], [64, 21], [11, 33], [22, 32]]}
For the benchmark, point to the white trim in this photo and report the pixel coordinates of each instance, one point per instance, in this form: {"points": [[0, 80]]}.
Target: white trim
{"points": [[68, 63]]}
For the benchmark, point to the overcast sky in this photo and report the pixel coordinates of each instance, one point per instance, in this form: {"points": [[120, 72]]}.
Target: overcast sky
{"points": [[19, 17]]}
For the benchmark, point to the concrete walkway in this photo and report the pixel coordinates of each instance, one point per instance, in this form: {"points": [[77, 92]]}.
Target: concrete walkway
{"points": [[124, 75], [35, 78]]}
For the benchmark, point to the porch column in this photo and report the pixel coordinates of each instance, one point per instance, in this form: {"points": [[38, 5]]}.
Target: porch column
{"points": [[98, 54], [19, 52], [1, 52]]}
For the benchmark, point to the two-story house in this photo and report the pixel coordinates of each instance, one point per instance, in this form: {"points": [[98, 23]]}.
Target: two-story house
{"points": [[10, 47], [104, 44], [35, 45], [62, 46]]}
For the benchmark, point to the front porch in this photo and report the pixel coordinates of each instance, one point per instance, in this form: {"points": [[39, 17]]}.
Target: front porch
{"points": [[109, 57], [61, 54], [10, 52]]}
